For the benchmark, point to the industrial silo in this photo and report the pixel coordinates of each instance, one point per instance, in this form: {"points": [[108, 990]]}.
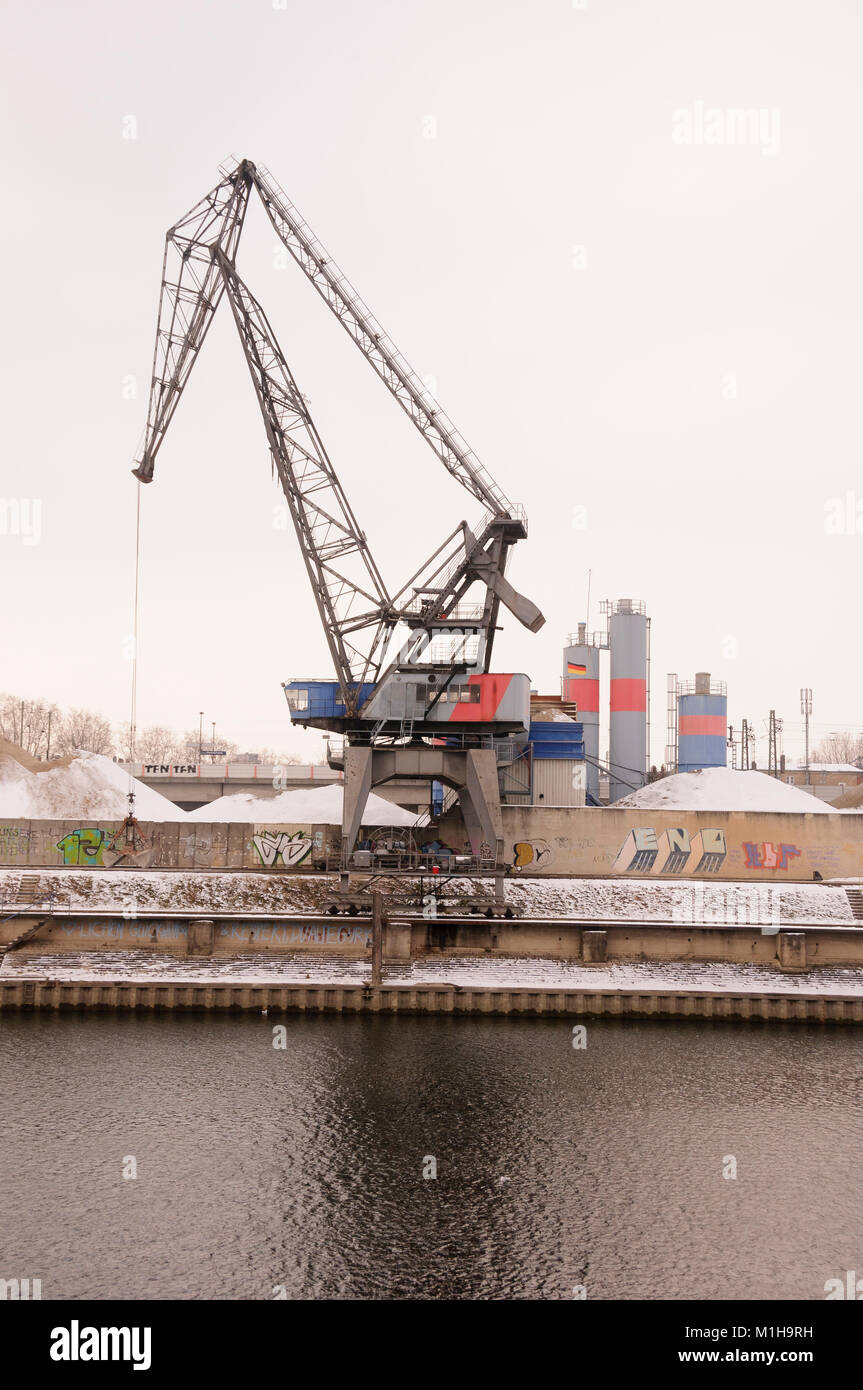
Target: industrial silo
{"points": [[580, 686], [628, 628], [702, 723]]}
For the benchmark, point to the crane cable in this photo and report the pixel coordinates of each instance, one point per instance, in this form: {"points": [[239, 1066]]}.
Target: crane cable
{"points": [[133, 712]]}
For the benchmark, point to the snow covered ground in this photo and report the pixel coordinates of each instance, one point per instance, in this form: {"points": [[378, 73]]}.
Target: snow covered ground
{"points": [[724, 789], [571, 899], [478, 972]]}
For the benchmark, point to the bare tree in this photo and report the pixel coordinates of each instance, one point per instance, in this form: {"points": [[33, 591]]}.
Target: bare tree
{"points": [[157, 745], [269, 757], [845, 746], [85, 729], [33, 725]]}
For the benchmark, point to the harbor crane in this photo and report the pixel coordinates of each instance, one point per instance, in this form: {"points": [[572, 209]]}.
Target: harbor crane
{"points": [[391, 699]]}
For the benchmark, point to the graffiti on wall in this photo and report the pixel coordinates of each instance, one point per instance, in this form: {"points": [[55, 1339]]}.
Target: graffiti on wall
{"points": [[672, 852], [197, 847], [768, 856], [295, 934], [531, 853], [291, 849], [275, 933], [84, 846], [14, 843], [96, 848]]}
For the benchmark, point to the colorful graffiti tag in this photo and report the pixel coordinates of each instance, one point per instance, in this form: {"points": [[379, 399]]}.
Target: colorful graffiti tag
{"points": [[103, 849], [672, 852], [290, 848], [84, 846], [531, 852], [768, 856]]}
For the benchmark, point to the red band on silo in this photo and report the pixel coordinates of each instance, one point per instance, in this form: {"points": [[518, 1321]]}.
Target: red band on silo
{"points": [[628, 695], [584, 692], [693, 724]]}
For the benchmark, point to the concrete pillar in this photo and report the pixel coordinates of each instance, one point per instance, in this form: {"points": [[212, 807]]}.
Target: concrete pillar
{"points": [[201, 937], [357, 785], [396, 941], [377, 936], [480, 802], [792, 950], [594, 947]]}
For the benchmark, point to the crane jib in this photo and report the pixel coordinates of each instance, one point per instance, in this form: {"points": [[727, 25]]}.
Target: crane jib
{"points": [[358, 615]]}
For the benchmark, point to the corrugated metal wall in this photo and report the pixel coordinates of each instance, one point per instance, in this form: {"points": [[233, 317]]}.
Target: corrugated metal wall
{"points": [[558, 782], [564, 739]]}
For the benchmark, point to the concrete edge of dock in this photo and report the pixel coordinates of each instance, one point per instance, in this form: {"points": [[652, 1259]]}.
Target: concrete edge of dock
{"points": [[40, 993]]}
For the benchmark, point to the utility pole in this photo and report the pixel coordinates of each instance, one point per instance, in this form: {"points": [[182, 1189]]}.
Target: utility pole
{"points": [[732, 744], [806, 711], [773, 744], [200, 738], [213, 746], [744, 744], [48, 740]]}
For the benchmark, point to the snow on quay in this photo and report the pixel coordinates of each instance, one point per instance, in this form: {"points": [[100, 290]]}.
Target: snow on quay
{"points": [[568, 899], [479, 972]]}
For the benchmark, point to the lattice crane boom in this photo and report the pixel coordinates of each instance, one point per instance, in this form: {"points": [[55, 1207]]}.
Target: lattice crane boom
{"points": [[348, 588], [376, 346], [357, 613], [192, 286]]}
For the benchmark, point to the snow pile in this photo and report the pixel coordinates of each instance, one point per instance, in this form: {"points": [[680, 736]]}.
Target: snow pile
{"points": [[723, 789], [550, 716], [87, 786], [317, 806]]}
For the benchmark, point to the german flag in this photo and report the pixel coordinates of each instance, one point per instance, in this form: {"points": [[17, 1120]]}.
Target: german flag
{"points": [[574, 669]]}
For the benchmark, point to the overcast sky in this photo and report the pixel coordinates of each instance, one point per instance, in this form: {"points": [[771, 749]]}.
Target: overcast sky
{"points": [[623, 240]]}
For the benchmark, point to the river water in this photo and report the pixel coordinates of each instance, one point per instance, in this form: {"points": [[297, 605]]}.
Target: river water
{"points": [[299, 1171]]}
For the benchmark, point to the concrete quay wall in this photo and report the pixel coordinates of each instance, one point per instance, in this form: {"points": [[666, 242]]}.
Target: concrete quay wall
{"points": [[39, 993]]}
